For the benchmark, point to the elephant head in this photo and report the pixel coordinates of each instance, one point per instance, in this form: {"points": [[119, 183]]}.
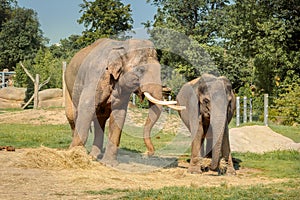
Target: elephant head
{"points": [[210, 104], [100, 79]]}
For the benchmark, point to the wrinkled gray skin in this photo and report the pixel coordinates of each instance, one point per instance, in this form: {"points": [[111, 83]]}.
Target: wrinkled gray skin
{"points": [[210, 104], [99, 80]]}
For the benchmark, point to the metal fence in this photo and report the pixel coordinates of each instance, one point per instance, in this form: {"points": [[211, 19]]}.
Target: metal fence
{"points": [[4, 76], [251, 109]]}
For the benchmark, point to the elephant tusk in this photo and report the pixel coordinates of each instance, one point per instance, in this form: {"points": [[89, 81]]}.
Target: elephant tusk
{"points": [[175, 107], [156, 101]]}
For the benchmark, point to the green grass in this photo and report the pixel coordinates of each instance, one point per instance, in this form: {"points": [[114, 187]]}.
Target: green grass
{"points": [[26, 135], [134, 141], [287, 131], [287, 190], [276, 164]]}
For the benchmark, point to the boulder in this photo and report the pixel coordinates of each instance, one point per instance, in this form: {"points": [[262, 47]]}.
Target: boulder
{"points": [[13, 93], [50, 94], [12, 97], [50, 98]]}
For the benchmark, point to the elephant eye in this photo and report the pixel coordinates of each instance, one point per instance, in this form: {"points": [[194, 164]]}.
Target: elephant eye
{"points": [[141, 69], [205, 100]]}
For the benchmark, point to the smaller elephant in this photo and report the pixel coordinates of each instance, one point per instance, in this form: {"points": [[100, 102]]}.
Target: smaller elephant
{"points": [[210, 105]]}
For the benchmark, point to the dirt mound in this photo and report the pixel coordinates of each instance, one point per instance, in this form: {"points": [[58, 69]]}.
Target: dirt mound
{"points": [[38, 116], [259, 139]]}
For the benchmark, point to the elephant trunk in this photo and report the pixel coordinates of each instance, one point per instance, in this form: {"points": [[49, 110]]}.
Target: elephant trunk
{"points": [[218, 120], [153, 115], [218, 135]]}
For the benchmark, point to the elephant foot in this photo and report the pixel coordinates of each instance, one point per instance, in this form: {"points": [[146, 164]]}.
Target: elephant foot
{"points": [[231, 171], [109, 161], [150, 153], [195, 169], [96, 153], [110, 155], [195, 166], [149, 146], [76, 141]]}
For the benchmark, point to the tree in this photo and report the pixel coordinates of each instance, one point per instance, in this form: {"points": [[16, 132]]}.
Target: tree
{"points": [[20, 37], [66, 48], [193, 38], [6, 7], [104, 18], [263, 37], [44, 64]]}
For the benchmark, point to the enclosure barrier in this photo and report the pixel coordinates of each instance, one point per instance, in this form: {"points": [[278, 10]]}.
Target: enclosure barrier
{"points": [[245, 109], [4, 76]]}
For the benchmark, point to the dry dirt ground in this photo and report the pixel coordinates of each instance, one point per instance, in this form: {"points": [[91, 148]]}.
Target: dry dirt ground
{"points": [[49, 181]]}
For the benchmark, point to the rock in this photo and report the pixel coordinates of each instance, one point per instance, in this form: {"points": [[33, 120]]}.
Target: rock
{"points": [[12, 97], [50, 98], [13, 93], [50, 94]]}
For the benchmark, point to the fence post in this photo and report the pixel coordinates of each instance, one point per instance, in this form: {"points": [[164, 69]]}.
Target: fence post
{"points": [[133, 99], [250, 110], [245, 110], [169, 98], [3, 80], [36, 91], [64, 66], [237, 111], [266, 114]]}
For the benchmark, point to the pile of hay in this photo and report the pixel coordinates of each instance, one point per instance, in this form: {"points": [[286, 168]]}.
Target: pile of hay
{"points": [[205, 163], [47, 158]]}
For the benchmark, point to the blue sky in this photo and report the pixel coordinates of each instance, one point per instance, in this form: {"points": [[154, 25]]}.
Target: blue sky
{"points": [[58, 18]]}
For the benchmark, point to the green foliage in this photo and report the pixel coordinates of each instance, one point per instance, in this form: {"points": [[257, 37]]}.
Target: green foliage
{"points": [[20, 36], [181, 32], [43, 64], [66, 48], [104, 18], [251, 42], [286, 109], [6, 7], [175, 81]]}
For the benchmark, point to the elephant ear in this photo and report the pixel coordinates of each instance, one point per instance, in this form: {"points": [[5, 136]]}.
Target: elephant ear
{"points": [[229, 91], [115, 62], [190, 116]]}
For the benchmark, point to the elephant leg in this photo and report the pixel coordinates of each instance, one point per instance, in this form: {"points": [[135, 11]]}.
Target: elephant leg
{"points": [[116, 123], [85, 114], [206, 151], [202, 151], [153, 115], [227, 154], [99, 128], [195, 165]]}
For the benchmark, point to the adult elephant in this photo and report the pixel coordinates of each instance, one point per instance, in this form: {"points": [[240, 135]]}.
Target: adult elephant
{"points": [[99, 81], [210, 104]]}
